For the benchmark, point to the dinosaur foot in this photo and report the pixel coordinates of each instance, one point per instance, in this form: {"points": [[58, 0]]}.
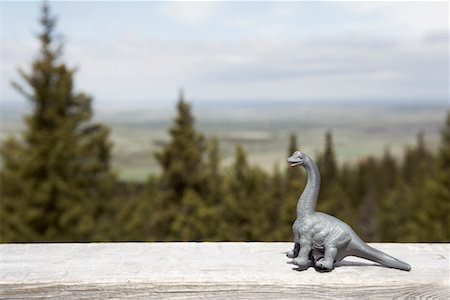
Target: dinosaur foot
{"points": [[324, 265], [302, 264], [291, 254]]}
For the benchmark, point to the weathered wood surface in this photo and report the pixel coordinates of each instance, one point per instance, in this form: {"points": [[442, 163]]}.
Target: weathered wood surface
{"points": [[211, 270]]}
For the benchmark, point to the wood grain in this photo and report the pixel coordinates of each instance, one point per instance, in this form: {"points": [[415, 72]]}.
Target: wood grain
{"points": [[211, 270]]}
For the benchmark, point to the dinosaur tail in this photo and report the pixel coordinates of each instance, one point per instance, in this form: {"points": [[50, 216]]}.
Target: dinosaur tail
{"points": [[363, 250]]}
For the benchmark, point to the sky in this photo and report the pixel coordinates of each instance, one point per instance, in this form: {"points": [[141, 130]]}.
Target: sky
{"points": [[141, 53]]}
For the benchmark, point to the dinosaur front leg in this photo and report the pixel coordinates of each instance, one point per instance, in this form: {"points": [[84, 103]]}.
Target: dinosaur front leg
{"points": [[327, 262], [294, 253], [302, 260]]}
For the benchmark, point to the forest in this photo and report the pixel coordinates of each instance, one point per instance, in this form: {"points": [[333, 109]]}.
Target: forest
{"points": [[57, 184]]}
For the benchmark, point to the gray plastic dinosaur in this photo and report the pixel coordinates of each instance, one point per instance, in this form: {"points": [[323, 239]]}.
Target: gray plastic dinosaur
{"points": [[322, 240]]}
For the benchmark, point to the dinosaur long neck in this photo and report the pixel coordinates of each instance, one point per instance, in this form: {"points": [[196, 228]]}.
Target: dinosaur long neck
{"points": [[306, 204]]}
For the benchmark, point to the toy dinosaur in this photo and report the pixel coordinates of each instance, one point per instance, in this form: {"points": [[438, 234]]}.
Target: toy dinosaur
{"points": [[321, 240]]}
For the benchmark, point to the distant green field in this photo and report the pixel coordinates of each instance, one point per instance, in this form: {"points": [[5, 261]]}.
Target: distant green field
{"points": [[358, 131]]}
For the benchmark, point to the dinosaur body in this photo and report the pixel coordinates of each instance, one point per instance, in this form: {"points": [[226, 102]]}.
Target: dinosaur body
{"points": [[321, 240]]}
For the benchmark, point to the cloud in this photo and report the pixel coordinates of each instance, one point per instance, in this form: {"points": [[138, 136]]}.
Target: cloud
{"points": [[190, 13], [258, 68], [391, 70], [413, 18], [137, 66], [133, 68]]}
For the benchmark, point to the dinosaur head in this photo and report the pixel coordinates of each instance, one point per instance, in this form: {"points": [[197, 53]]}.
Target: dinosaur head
{"points": [[296, 159]]}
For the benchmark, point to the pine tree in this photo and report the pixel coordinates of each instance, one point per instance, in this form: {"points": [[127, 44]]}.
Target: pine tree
{"points": [[189, 224], [245, 215], [396, 215], [404, 207], [214, 183], [200, 213], [345, 194], [56, 180], [390, 182], [215, 191], [156, 221], [436, 208], [333, 199], [418, 168], [327, 161], [234, 225], [183, 167], [418, 161], [261, 209], [389, 170], [330, 192], [293, 183], [128, 216], [369, 206], [277, 204]]}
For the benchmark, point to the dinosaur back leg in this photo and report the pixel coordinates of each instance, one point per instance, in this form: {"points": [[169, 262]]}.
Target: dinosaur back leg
{"points": [[327, 262]]}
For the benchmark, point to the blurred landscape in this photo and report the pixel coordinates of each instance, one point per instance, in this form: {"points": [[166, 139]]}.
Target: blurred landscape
{"points": [[360, 129], [172, 121]]}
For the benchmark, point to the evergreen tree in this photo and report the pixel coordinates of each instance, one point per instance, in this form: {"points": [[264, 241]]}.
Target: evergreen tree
{"points": [[327, 161], [418, 168], [333, 199], [345, 191], [293, 184], [331, 195], [128, 217], [183, 167], [235, 209], [214, 183], [245, 214], [389, 171], [368, 209], [390, 181], [200, 213], [277, 204], [189, 224], [262, 211], [418, 161], [215, 192], [156, 222], [436, 208], [404, 206], [398, 214], [56, 180]]}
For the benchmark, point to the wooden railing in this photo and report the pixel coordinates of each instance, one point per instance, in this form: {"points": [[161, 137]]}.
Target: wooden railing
{"points": [[211, 270]]}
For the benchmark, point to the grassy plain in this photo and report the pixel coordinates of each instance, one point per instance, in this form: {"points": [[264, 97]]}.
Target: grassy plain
{"points": [[263, 129]]}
